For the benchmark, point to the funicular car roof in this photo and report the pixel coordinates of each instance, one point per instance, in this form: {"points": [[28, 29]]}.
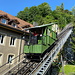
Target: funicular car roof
{"points": [[45, 25]]}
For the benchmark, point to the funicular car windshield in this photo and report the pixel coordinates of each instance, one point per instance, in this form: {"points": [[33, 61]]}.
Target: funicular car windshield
{"points": [[35, 36], [38, 34]]}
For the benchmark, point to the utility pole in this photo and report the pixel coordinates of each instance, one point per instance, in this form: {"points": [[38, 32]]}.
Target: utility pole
{"points": [[62, 65]]}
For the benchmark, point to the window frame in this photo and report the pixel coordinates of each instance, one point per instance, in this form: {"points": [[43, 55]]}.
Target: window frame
{"points": [[1, 59], [14, 24], [10, 61], [12, 41], [5, 21], [2, 38]]}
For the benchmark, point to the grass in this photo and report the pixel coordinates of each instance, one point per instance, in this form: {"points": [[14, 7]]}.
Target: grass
{"points": [[69, 69]]}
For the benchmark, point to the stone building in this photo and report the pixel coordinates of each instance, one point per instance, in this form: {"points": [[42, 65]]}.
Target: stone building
{"points": [[11, 39]]}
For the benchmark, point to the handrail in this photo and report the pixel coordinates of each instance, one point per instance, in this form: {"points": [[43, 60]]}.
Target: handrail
{"points": [[8, 65]]}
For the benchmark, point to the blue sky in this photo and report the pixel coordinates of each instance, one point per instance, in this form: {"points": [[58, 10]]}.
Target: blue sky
{"points": [[14, 6]]}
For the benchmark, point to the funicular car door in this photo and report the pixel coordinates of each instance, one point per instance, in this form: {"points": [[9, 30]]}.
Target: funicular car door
{"points": [[30, 43], [33, 41]]}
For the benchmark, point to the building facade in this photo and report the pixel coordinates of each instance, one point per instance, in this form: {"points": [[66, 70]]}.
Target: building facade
{"points": [[11, 40]]}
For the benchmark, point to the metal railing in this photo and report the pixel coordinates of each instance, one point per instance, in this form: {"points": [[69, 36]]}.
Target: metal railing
{"points": [[44, 65], [9, 66], [40, 68]]}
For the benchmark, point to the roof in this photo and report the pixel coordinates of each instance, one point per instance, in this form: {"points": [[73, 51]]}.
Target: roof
{"points": [[11, 28], [21, 23], [45, 25]]}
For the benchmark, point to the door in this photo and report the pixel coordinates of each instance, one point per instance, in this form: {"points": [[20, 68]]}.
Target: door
{"points": [[0, 59]]}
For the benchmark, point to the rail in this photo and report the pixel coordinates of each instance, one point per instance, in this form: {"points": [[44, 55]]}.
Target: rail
{"points": [[44, 65], [8, 66], [27, 67]]}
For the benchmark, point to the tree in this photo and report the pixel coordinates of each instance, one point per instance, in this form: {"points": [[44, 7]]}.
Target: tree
{"points": [[62, 7], [58, 8], [33, 12], [21, 15], [73, 11], [62, 16], [44, 9], [42, 14], [73, 41], [39, 19], [73, 34], [48, 19], [24, 15]]}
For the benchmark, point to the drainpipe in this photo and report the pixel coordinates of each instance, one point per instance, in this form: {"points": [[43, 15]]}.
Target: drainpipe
{"points": [[20, 47], [62, 64], [22, 37]]}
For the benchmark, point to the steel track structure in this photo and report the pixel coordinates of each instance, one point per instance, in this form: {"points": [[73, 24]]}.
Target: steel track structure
{"points": [[26, 67], [43, 67]]}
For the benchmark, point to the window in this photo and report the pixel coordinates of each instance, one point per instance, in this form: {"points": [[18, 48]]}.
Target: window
{"points": [[14, 25], [3, 21], [12, 41], [33, 40], [0, 59], [48, 32], [1, 39], [10, 57]]}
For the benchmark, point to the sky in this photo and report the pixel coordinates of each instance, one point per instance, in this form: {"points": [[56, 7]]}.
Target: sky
{"points": [[14, 6]]}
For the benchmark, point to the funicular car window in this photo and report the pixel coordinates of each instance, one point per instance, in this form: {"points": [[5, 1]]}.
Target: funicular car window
{"points": [[33, 39]]}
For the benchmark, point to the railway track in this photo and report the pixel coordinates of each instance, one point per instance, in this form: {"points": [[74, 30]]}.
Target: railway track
{"points": [[45, 64], [23, 68], [27, 66], [28, 69], [64, 31]]}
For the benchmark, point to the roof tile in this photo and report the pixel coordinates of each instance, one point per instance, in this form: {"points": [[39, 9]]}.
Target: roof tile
{"points": [[21, 24]]}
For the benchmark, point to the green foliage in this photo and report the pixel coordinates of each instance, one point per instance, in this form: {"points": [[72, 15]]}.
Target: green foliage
{"points": [[73, 35], [62, 7], [42, 14], [44, 9], [39, 19], [69, 69], [58, 8], [73, 11]]}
